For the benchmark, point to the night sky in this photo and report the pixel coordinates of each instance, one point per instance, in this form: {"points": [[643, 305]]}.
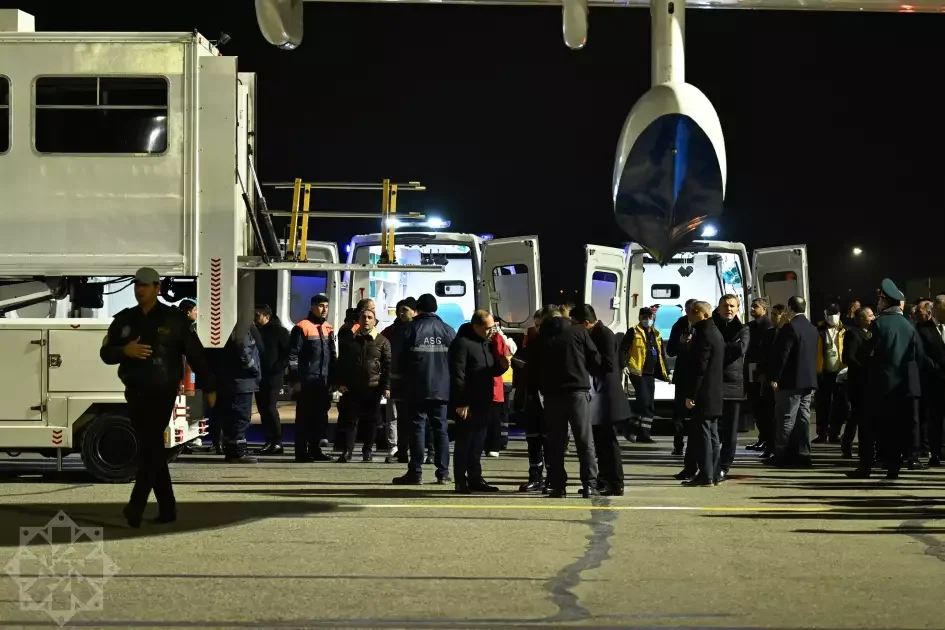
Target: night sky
{"points": [[833, 122]]}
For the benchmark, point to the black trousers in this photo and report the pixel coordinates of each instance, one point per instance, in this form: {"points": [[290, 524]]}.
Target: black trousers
{"points": [[267, 399], [150, 413], [707, 448], [934, 409], [536, 436], [899, 428], [563, 409], [762, 408], [856, 396], [680, 418], [497, 434], [238, 414], [609, 458], [311, 418], [427, 415], [363, 408], [728, 433], [830, 405], [470, 440]]}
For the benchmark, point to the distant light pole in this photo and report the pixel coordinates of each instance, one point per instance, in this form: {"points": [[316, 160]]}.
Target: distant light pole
{"points": [[857, 251]]}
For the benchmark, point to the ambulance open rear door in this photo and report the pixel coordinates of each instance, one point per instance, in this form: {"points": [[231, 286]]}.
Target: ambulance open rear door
{"points": [[606, 273], [511, 281], [781, 273]]}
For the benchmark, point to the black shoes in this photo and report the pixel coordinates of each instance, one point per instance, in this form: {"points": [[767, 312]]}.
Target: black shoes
{"points": [[409, 479], [345, 458], [271, 448], [132, 518], [678, 450], [532, 486], [245, 458], [696, 482], [472, 486], [481, 486], [164, 519], [684, 474]]}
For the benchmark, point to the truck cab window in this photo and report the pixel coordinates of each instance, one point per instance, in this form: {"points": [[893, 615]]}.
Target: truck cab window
{"points": [[101, 115], [4, 115]]}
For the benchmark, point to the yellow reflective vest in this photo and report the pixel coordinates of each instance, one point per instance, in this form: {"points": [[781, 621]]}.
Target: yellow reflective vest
{"points": [[636, 353]]}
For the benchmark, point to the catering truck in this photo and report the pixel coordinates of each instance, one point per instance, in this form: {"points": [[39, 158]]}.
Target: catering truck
{"points": [[118, 151]]}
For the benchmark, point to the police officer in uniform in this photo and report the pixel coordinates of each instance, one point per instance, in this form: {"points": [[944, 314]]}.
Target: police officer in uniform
{"points": [[149, 344]]}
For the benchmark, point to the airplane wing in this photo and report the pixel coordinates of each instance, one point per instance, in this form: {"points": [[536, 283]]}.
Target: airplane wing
{"points": [[281, 20]]}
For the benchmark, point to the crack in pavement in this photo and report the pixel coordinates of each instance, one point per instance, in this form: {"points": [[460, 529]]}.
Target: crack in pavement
{"points": [[595, 553]]}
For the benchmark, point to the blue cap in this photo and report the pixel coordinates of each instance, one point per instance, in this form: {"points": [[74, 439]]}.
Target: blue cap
{"points": [[890, 290]]}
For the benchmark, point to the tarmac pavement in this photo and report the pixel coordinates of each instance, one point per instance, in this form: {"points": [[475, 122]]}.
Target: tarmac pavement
{"points": [[283, 545]]}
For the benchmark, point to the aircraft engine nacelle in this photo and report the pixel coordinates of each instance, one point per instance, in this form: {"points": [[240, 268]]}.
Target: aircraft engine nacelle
{"points": [[280, 22], [669, 177]]}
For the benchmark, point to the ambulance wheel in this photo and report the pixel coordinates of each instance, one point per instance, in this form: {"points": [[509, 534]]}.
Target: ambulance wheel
{"points": [[109, 449]]}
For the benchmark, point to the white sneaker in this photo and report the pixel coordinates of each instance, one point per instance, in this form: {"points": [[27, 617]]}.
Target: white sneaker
{"points": [[492, 454]]}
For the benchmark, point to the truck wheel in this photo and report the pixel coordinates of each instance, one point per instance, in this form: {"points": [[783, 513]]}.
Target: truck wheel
{"points": [[109, 449]]}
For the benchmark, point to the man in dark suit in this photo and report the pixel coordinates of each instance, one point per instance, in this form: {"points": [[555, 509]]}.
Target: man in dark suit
{"points": [[704, 393], [855, 357], [932, 333], [893, 383], [793, 376], [678, 346], [609, 404]]}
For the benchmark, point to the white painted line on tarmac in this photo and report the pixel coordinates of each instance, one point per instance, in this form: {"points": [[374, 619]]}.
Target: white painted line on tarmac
{"points": [[617, 508]]}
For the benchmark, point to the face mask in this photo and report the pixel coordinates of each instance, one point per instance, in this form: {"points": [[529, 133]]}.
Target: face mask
{"points": [[833, 320], [646, 323]]}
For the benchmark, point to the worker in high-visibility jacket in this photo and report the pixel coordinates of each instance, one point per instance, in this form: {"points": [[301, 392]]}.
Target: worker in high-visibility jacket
{"points": [[642, 349]]}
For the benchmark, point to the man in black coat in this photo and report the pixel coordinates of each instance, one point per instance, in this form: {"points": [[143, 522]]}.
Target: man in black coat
{"points": [[855, 357], [762, 408], [704, 395], [932, 333], [364, 366], [678, 346], [275, 362], [609, 404], [792, 373], [473, 366], [562, 364], [735, 336]]}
